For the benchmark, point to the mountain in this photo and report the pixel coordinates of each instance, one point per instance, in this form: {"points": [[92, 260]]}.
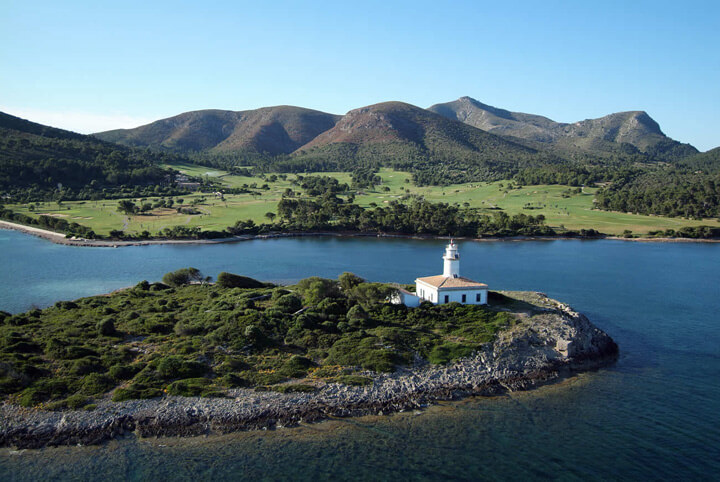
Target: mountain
{"points": [[35, 158], [273, 130], [620, 133], [406, 136]]}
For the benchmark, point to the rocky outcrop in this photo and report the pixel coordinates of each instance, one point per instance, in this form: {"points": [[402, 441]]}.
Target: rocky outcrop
{"points": [[549, 341]]}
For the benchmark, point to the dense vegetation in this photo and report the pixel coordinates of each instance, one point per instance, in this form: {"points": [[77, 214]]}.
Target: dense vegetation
{"points": [[665, 192], [416, 216], [200, 339], [43, 163]]}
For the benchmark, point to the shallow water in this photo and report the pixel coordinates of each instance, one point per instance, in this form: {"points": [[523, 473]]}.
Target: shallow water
{"points": [[654, 414]]}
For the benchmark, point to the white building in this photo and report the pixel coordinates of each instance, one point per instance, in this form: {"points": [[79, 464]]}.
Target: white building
{"points": [[447, 287]]}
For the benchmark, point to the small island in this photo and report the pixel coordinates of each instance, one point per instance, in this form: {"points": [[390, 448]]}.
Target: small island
{"points": [[190, 357]]}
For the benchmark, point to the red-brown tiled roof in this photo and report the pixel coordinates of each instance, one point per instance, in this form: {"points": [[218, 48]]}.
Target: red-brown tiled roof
{"points": [[441, 281]]}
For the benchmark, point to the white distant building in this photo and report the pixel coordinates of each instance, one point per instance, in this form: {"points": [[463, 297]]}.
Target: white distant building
{"points": [[447, 287]]}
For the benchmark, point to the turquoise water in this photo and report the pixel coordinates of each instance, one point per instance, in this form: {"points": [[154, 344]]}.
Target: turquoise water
{"points": [[654, 414]]}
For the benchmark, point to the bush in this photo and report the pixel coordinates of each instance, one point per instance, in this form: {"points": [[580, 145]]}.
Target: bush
{"points": [[125, 372], [190, 387], [449, 351], [87, 365], [232, 380], [95, 383], [229, 280], [106, 327], [354, 380], [348, 281], [294, 388], [136, 392], [315, 289], [368, 353], [357, 313], [175, 367], [288, 303], [296, 366], [43, 390]]}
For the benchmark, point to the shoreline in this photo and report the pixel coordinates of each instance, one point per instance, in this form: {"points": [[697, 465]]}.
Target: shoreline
{"points": [[59, 238], [540, 349]]}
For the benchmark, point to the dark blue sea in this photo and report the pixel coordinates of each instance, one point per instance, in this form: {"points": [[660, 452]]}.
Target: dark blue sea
{"points": [[654, 415]]}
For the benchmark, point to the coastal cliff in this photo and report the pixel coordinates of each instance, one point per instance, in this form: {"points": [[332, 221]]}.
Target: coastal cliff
{"points": [[547, 342]]}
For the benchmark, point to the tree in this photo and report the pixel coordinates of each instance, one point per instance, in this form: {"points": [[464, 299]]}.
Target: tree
{"points": [[127, 207], [348, 281], [182, 277], [270, 216], [315, 289], [368, 294]]}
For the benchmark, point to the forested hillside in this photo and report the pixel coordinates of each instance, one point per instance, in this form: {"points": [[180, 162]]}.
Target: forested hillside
{"points": [[41, 162]]}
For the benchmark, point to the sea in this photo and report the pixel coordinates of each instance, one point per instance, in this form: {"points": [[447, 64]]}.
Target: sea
{"points": [[652, 415]]}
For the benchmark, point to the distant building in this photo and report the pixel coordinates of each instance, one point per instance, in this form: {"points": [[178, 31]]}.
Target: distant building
{"points": [[445, 288]]}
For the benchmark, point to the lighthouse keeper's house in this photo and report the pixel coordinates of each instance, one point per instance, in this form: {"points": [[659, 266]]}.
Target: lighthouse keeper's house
{"points": [[445, 288]]}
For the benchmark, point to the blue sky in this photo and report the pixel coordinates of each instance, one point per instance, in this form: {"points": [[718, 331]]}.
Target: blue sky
{"points": [[88, 66]]}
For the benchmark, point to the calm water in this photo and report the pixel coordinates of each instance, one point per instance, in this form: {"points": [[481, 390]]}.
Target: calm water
{"points": [[654, 414]]}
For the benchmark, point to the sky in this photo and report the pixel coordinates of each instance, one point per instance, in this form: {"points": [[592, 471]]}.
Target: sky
{"points": [[94, 66]]}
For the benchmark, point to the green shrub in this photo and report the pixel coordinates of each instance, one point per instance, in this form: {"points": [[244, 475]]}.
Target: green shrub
{"points": [[449, 351], [229, 280], [296, 366], [43, 390], [231, 364], [175, 367], [75, 402], [84, 366], [190, 387], [125, 372], [106, 327], [289, 303], [354, 380], [348, 281], [357, 313], [136, 392], [96, 383], [159, 287], [315, 289], [369, 353], [277, 293], [231, 380], [294, 388]]}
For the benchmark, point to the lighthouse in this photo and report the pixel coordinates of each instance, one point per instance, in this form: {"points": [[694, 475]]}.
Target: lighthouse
{"points": [[451, 263], [448, 287]]}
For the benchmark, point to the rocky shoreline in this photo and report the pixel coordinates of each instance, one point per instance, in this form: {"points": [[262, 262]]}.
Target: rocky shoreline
{"points": [[548, 343]]}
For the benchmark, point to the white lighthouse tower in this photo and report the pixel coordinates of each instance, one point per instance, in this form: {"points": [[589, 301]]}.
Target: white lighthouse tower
{"points": [[448, 287], [451, 263]]}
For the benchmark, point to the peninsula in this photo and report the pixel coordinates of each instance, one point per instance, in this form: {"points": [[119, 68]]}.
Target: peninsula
{"points": [[187, 357]]}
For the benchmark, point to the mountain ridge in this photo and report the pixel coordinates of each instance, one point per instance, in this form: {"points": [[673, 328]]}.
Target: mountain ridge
{"points": [[617, 132], [274, 130]]}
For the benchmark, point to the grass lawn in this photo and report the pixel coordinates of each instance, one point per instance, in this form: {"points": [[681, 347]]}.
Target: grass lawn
{"points": [[559, 204]]}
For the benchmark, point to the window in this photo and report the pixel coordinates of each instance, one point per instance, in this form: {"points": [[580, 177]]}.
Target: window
{"points": [[446, 298], [464, 298], [478, 297]]}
